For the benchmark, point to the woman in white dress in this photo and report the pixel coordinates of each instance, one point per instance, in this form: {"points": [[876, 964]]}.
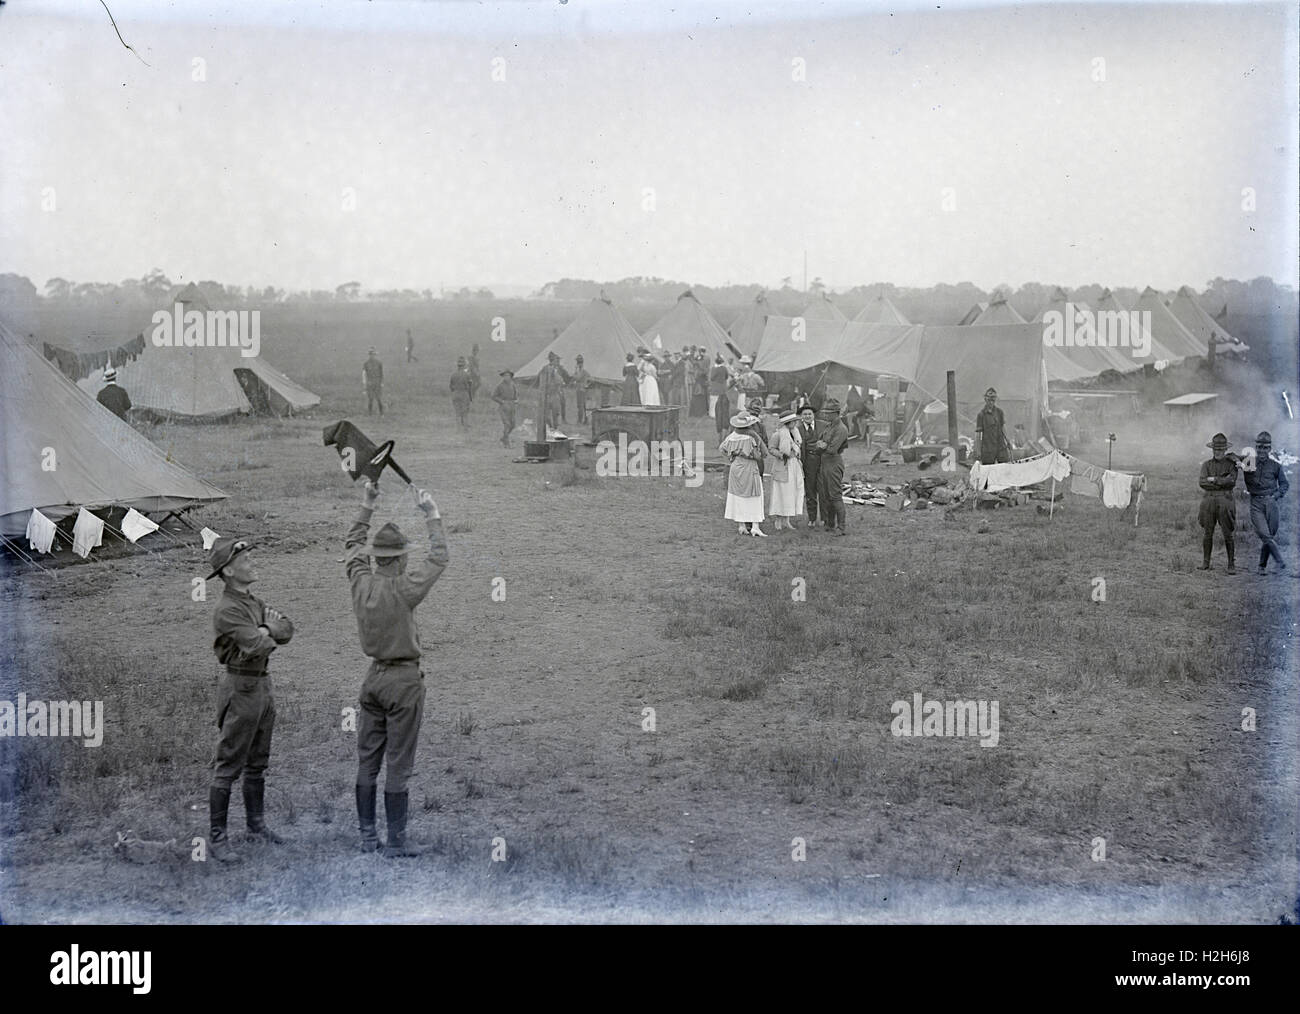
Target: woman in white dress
{"points": [[649, 382], [787, 500], [744, 449]]}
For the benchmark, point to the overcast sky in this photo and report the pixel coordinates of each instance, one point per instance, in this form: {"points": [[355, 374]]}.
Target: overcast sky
{"points": [[962, 144]]}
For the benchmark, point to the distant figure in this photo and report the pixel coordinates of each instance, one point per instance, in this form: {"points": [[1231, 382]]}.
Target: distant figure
{"points": [[410, 347], [476, 381], [550, 387], [581, 381], [631, 395], [506, 396], [991, 431], [113, 397], [1218, 476], [648, 380], [462, 391], [372, 382], [1266, 484], [749, 384]]}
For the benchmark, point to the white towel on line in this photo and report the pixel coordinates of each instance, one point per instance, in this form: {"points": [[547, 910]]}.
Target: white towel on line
{"points": [[135, 525], [40, 532], [87, 533]]}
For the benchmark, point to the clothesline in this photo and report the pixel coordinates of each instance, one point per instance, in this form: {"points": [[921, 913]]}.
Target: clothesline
{"points": [[1113, 488], [78, 365]]}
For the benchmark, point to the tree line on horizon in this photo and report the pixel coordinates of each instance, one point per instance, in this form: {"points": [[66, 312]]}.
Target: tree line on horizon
{"points": [[934, 303]]}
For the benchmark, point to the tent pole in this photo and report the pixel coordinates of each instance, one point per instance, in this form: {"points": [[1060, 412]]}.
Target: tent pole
{"points": [[952, 410]]}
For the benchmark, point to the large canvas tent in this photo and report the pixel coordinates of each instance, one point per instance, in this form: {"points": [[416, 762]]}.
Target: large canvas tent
{"points": [[600, 334], [1071, 364], [880, 311], [1189, 312], [99, 460], [1167, 330], [821, 308], [972, 314], [1008, 357], [746, 330], [997, 312], [687, 323], [204, 383]]}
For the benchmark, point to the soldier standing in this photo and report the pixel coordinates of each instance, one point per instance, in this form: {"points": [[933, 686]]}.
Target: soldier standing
{"points": [[506, 396], [247, 631], [372, 382], [410, 347], [462, 392], [991, 431], [581, 381], [1218, 476], [1266, 485], [831, 440], [384, 597]]}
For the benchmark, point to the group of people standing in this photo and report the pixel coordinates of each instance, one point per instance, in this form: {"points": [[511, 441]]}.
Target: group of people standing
{"points": [[803, 458], [1266, 484], [677, 378]]}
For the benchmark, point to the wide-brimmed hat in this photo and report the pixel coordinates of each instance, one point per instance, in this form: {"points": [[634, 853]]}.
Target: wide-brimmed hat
{"points": [[789, 417], [1218, 442], [388, 541], [460, 360], [110, 374], [747, 360], [225, 550], [991, 393], [372, 350], [831, 405], [646, 355], [578, 359], [506, 373], [1264, 439], [741, 420]]}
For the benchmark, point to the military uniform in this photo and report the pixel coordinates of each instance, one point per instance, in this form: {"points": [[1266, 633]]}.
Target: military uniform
{"points": [[506, 396], [372, 377], [392, 694], [245, 638], [830, 471], [581, 381], [462, 392], [1266, 485], [1218, 476]]}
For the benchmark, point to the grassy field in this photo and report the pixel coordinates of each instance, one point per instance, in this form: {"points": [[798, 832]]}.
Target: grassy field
{"points": [[1119, 719]]}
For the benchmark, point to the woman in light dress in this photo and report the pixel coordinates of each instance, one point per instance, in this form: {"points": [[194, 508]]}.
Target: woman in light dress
{"points": [[744, 449], [787, 499], [649, 382]]}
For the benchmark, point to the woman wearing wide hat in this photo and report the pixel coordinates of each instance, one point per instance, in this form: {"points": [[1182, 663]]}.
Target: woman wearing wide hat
{"points": [[649, 382], [744, 449], [787, 500]]}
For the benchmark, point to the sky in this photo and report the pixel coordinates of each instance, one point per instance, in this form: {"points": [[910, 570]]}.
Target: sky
{"points": [[425, 145]]}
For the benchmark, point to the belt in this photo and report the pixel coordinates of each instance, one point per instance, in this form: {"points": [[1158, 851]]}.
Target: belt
{"points": [[395, 663], [239, 671]]}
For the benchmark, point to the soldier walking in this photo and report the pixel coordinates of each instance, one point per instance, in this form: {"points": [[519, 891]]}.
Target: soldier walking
{"points": [[506, 396], [1266, 485], [384, 597], [247, 631]]}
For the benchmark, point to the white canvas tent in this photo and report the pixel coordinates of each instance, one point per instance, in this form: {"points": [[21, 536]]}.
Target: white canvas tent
{"points": [[600, 334], [880, 311], [687, 323], [204, 382], [99, 460]]}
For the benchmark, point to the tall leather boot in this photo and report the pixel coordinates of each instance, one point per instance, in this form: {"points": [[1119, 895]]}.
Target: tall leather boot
{"points": [[1231, 545], [255, 812], [1207, 547], [366, 797], [395, 807], [219, 846]]}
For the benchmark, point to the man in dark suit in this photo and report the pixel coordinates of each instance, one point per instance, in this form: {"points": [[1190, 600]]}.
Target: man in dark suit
{"points": [[810, 458], [113, 397]]}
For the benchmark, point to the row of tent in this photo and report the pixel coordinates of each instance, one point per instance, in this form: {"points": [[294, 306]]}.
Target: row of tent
{"points": [[1180, 329]]}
